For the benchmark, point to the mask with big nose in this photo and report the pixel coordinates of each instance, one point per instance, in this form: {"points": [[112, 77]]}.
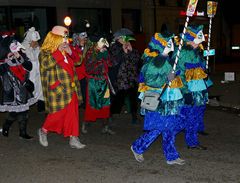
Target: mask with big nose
{"points": [[102, 44]]}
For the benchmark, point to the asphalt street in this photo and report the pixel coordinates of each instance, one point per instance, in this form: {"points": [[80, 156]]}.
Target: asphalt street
{"points": [[108, 159]]}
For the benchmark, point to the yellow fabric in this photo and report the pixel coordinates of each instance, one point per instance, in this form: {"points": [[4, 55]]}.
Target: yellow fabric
{"points": [[176, 83], [107, 93], [150, 54], [73, 84], [195, 74], [160, 39], [142, 87]]}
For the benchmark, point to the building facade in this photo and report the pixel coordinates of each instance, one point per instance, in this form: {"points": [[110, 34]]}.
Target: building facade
{"points": [[144, 17]]}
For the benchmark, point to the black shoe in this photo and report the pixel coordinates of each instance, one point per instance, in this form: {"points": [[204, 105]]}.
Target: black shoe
{"points": [[203, 133], [199, 147], [25, 136], [6, 126]]}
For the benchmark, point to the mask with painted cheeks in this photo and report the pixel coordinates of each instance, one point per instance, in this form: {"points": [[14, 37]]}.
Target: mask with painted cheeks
{"points": [[168, 48], [199, 38]]}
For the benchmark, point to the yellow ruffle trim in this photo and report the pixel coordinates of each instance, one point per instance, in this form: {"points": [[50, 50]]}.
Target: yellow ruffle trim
{"points": [[176, 83], [195, 74], [142, 87], [150, 54]]}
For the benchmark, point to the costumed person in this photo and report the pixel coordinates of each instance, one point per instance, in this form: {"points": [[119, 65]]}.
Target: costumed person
{"points": [[98, 89], [32, 47], [60, 88], [81, 44], [165, 118], [16, 95], [126, 63], [192, 66]]}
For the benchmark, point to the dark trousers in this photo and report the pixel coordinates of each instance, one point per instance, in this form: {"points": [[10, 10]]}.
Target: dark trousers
{"points": [[117, 101], [83, 84], [21, 117]]}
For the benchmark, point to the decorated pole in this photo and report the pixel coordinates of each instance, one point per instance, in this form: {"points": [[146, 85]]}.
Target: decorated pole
{"points": [[211, 12], [190, 11]]}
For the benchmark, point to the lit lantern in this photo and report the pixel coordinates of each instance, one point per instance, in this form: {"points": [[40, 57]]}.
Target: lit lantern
{"points": [[67, 21]]}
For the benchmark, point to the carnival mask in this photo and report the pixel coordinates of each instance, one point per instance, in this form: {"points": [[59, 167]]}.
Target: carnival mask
{"points": [[168, 48], [199, 38], [15, 46], [102, 43]]}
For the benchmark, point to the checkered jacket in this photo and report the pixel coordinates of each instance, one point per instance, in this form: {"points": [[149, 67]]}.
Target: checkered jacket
{"points": [[59, 80]]}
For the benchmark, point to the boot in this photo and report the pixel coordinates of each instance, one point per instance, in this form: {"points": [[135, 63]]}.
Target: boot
{"points": [[6, 126], [74, 142], [84, 128], [42, 137], [23, 130], [107, 130]]}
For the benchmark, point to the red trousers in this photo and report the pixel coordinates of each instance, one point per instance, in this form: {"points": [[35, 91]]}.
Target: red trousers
{"points": [[65, 121]]}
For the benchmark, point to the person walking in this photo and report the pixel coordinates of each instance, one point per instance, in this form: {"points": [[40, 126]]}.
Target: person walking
{"points": [[32, 50], [193, 74], [81, 44], [16, 95], [98, 87], [163, 119], [60, 87], [124, 72]]}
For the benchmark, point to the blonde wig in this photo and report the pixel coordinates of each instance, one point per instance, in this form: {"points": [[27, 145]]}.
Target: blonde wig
{"points": [[51, 42]]}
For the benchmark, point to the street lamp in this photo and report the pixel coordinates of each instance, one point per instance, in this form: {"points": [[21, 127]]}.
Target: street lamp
{"points": [[67, 21]]}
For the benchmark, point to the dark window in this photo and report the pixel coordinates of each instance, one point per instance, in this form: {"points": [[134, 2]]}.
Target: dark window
{"points": [[99, 19], [3, 20], [162, 2], [131, 19], [24, 18]]}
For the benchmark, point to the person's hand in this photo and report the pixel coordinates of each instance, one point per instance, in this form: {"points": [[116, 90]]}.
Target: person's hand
{"points": [[12, 55], [127, 47], [16, 54], [34, 44], [64, 48], [171, 76]]}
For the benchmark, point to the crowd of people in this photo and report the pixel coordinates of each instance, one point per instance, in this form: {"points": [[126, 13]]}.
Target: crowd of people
{"points": [[62, 75]]}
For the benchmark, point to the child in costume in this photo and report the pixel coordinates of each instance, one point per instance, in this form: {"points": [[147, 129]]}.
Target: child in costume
{"points": [[32, 47], [16, 95], [60, 88], [81, 44], [98, 90], [193, 74], [166, 120]]}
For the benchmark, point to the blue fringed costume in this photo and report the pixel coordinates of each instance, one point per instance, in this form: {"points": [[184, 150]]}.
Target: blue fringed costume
{"points": [[192, 66], [166, 120]]}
